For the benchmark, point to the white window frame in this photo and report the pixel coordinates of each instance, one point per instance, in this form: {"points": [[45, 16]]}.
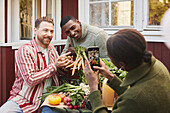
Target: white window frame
{"points": [[57, 17], [146, 19], [86, 11], [151, 34], [13, 20], [2, 21]]}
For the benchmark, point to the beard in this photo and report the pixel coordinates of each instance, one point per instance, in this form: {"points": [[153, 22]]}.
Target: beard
{"points": [[44, 40]]}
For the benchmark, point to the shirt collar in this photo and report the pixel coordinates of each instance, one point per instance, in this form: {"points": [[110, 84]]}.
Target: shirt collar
{"points": [[35, 45], [136, 74], [44, 50]]}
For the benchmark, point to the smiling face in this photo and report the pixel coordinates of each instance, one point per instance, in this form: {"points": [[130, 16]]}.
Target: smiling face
{"points": [[44, 34], [72, 29]]}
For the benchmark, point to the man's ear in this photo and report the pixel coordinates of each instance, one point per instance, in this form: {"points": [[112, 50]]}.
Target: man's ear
{"points": [[35, 31]]}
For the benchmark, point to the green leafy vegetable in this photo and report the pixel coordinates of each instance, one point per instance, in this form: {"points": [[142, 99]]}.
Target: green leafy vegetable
{"points": [[66, 87], [120, 73], [77, 98], [80, 52]]}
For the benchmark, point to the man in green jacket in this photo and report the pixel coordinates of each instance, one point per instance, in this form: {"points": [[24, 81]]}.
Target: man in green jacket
{"points": [[83, 35], [146, 87]]}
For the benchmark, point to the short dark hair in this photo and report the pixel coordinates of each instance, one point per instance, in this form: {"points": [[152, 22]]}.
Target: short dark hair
{"points": [[128, 46], [44, 18], [65, 19]]}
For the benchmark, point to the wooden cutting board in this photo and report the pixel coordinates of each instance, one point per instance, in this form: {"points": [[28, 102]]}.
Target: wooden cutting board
{"points": [[46, 103]]}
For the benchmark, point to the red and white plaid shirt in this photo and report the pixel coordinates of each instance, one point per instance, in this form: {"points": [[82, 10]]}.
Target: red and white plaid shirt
{"points": [[31, 71]]}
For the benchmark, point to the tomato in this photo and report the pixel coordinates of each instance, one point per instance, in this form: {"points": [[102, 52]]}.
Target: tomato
{"points": [[54, 100], [61, 96]]}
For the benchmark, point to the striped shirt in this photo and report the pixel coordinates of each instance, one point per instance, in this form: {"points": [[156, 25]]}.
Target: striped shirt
{"points": [[31, 72]]}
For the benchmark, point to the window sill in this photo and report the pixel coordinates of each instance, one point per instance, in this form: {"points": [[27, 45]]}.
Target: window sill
{"points": [[16, 45], [150, 35]]}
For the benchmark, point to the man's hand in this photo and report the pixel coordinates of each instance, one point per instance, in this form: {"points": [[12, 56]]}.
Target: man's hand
{"points": [[104, 71], [91, 77], [72, 50], [62, 61]]}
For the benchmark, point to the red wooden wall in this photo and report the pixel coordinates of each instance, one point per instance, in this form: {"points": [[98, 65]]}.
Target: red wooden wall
{"points": [[7, 72], [69, 7], [161, 52]]}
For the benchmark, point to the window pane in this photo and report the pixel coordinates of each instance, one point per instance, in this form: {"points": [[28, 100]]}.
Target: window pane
{"points": [[49, 8], [25, 19], [156, 10], [122, 13], [99, 14]]}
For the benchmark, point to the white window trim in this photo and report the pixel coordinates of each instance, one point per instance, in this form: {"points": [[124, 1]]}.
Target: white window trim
{"points": [[138, 15], [82, 11], [2, 21], [16, 45], [43, 8], [146, 19], [13, 20], [151, 34], [57, 20]]}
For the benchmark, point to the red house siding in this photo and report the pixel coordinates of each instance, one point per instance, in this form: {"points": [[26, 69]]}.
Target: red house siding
{"points": [[7, 72], [161, 52], [69, 7]]}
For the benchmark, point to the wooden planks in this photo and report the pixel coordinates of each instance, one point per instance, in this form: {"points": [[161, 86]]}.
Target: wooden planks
{"points": [[161, 52], [69, 7], [7, 72]]}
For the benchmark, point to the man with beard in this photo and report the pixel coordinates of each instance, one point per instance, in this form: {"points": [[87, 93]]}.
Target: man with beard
{"points": [[36, 65], [83, 35]]}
